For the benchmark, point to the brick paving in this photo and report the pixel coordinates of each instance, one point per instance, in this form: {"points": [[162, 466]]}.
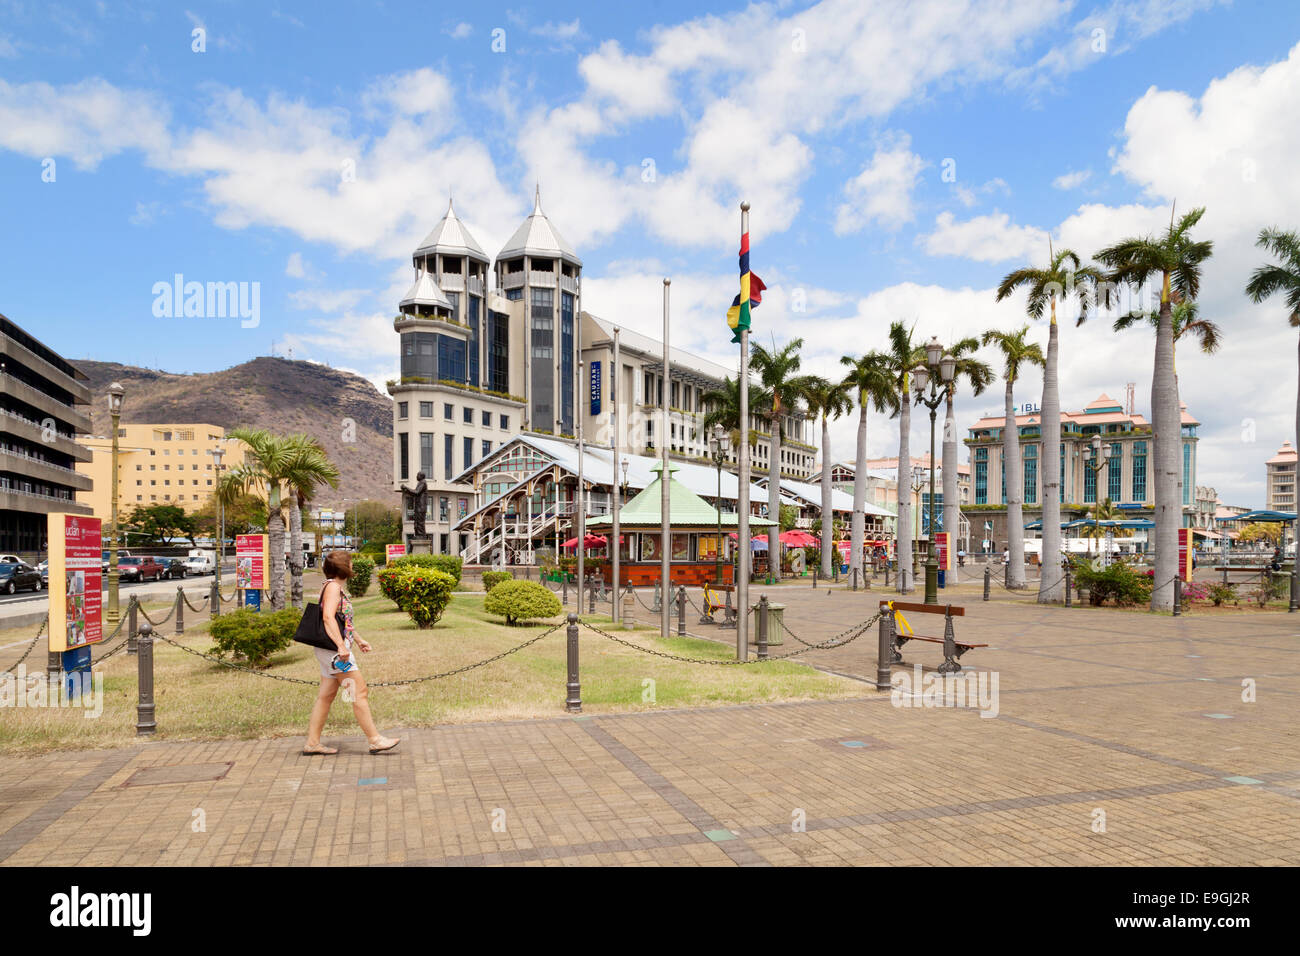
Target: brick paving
{"points": [[1137, 717]]}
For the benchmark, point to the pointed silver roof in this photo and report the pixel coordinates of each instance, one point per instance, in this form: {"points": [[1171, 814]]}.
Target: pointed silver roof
{"points": [[425, 293], [450, 237], [537, 237]]}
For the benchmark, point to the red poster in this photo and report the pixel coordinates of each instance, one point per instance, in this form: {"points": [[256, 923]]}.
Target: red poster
{"points": [[394, 551], [75, 572], [941, 548], [251, 562], [1185, 553]]}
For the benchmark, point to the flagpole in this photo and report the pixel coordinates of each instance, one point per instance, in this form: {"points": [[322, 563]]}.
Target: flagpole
{"points": [[582, 505], [613, 548], [742, 504], [665, 539]]}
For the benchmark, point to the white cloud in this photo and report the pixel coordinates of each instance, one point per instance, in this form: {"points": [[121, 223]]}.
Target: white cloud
{"points": [[295, 268], [1072, 179], [86, 121], [460, 31], [882, 192], [327, 300], [991, 238], [635, 86], [559, 31]]}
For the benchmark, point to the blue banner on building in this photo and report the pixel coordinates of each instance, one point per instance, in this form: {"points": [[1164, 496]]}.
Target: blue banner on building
{"points": [[595, 388]]}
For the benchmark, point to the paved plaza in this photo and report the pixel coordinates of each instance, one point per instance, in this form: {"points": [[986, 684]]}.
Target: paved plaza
{"points": [[1119, 738]]}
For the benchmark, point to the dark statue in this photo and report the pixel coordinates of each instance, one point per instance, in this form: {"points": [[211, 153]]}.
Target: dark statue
{"points": [[418, 499]]}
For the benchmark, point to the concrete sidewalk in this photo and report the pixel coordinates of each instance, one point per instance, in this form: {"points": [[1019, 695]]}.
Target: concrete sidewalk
{"points": [[1120, 738]]}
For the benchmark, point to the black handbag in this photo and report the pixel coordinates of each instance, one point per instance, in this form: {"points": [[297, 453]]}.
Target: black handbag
{"points": [[311, 628]]}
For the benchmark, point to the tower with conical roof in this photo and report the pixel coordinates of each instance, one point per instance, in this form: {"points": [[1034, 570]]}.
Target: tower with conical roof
{"points": [[537, 268]]}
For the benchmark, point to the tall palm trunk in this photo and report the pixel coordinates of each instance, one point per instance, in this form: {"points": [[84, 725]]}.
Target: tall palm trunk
{"points": [[903, 542], [859, 525], [828, 513], [295, 549], [1167, 438], [951, 502], [774, 490], [1051, 580], [1015, 483], [275, 533]]}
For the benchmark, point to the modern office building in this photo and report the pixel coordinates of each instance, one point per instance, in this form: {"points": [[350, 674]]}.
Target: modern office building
{"points": [[42, 397], [882, 489], [156, 465], [481, 364], [1123, 478], [1279, 480]]}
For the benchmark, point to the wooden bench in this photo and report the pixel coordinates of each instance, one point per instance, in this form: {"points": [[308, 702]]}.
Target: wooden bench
{"points": [[952, 648], [717, 597]]}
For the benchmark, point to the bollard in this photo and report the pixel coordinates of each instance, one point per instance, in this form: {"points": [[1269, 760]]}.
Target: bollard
{"points": [[1006, 575], [591, 598], [681, 611], [885, 651], [1294, 600], [886, 576], [1067, 584], [658, 597], [705, 616], [180, 609], [835, 571], [728, 614], [855, 579], [816, 568], [131, 629], [629, 609], [762, 628], [988, 581], [528, 572], [565, 600], [145, 725], [214, 601], [573, 702], [1178, 597]]}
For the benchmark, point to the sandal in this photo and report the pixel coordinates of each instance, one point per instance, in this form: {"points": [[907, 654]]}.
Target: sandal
{"points": [[388, 746], [322, 752]]}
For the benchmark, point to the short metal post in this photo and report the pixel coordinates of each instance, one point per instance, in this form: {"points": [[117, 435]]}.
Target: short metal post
{"points": [[855, 579], [573, 702], [1295, 583], [1067, 584], [131, 629], [886, 574], [565, 599], [885, 651], [816, 568], [762, 628], [145, 725], [988, 581], [629, 609], [728, 614], [1006, 574], [180, 609], [835, 571], [658, 597], [681, 611], [1178, 596], [528, 572], [214, 601], [591, 599]]}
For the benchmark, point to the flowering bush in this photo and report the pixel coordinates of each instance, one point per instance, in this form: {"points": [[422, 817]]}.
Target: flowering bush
{"points": [[422, 592], [521, 600]]}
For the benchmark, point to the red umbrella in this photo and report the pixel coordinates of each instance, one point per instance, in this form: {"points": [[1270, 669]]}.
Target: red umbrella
{"points": [[589, 542], [797, 538]]}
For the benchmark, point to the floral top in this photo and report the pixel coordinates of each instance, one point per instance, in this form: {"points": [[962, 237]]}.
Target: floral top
{"points": [[349, 632]]}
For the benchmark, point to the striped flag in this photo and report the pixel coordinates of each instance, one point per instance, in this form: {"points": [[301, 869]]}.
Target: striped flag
{"points": [[751, 293]]}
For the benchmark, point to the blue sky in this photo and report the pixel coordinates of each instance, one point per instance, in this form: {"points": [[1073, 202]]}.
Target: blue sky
{"points": [[838, 121]]}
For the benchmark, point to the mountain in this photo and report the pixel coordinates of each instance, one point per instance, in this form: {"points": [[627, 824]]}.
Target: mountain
{"points": [[278, 394]]}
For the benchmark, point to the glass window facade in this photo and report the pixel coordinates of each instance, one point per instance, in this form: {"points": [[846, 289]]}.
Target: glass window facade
{"points": [[420, 355], [981, 476], [1115, 472], [1139, 471], [1089, 485], [1187, 473], [426, 453], [473, 309], [403, 456], [542, 324], [469, 452], [1031, 473], [451, 358], [447, 466], [566, 363]]}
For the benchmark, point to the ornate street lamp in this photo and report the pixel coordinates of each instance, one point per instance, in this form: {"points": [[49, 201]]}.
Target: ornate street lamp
{"points": [[217, 454], [938, 374], [115, 393], [720, 446], [1097, 456]]}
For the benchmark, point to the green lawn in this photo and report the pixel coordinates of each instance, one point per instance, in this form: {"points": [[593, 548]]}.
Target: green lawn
{"points": [[196, 699]]}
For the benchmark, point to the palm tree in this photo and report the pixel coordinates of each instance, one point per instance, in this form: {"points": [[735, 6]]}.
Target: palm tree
{"points": [[308, 468], [1016, 351], [1064, 277], [1177, 260], [723, 406], [777, 371], [1103, 510], [1186, 320], [1284, 278], [869, 374], [980, 376], [902, 356], [265, 467], [828, 400]]}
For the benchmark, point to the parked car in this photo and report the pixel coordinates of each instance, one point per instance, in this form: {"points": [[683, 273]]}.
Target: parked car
{"points": [[201, 562], [121, 553], [18, 576], [10, 559], [174, 568], [132, 568], [44, 568]]}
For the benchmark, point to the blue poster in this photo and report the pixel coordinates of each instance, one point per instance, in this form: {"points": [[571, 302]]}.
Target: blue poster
{"points": [[595, 388], [253, 599]]}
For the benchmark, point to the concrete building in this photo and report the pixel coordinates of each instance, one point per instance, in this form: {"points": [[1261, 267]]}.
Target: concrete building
{"points": [[42, 397], [1279, 480], [882, 489], [156, 465], [1123, 479]]}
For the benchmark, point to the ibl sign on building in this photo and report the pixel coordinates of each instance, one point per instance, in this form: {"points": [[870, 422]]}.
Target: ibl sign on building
{"points": [[76, 572]]}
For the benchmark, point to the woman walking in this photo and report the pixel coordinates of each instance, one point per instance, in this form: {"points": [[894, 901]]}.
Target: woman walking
{"points": [[341, 668]]}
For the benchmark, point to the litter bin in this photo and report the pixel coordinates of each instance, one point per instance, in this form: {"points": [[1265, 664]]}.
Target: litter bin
{"points": [[775, 624]]}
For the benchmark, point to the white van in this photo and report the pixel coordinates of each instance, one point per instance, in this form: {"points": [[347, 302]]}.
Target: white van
{"points": [[201, 562]]}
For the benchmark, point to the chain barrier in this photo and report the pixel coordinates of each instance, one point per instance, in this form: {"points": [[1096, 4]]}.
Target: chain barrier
{"points": [[159, 623], [39, 632], [857, 631], [202, 604]]}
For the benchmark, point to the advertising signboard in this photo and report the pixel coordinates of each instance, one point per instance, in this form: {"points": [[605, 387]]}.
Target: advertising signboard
{"points": [[76, 597], [251, 563], [394, 551]]}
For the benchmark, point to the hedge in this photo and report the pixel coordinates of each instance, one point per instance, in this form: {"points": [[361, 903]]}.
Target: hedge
{"points": [[422, 592], [492, 578], [521, 600], [447, 563], [362, 568], [251, 637]]}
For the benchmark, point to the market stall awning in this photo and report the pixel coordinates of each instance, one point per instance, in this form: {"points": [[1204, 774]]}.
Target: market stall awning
{"points": [[686, 509], [1285, 517]]}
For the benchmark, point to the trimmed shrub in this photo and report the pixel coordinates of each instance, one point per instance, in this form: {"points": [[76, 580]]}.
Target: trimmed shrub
{"points": [[251, 637], [521, 601], [1220, 592], [492, 578], [1118, 582], [446, 563], [362, 568], [422, 592]]}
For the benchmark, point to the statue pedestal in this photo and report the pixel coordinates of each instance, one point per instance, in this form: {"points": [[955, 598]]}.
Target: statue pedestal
{"points": [[419, 544]]}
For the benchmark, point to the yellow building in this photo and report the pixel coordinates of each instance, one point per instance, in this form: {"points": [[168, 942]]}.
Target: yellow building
{"points": [[157, 465]]}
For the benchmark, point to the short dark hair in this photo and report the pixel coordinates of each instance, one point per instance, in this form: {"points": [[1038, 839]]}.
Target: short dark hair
{"points": [[338, 564]]}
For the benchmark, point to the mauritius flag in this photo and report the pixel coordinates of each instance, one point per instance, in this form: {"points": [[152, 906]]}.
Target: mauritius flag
{"points": [[751, 293]]}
